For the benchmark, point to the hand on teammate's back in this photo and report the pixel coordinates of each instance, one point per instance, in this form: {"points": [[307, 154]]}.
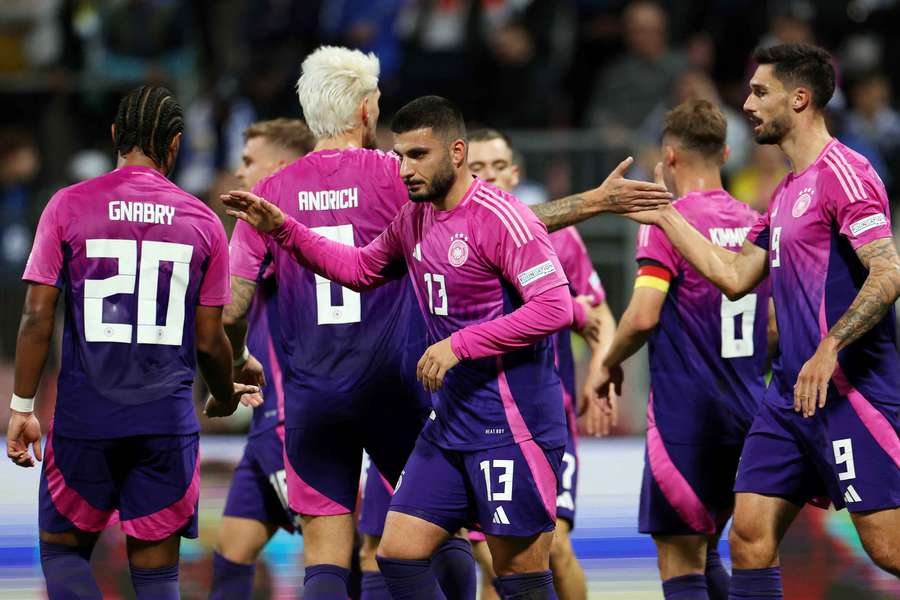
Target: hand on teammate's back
{"points": [[248, 395], [24, 430], [256, 211]]}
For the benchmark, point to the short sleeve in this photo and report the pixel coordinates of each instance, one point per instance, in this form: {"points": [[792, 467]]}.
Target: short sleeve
{"points": [[46, 259], [759, 232], [216, 287], [518, 243], [859, 202], [248, 251], [653, 245]]}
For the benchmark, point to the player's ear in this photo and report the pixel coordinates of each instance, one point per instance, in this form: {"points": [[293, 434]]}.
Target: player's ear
{"points": [[172, 152], [726, 153], [458, 152], [112, 130], [669, 155], [801, 98], [363, 111]]}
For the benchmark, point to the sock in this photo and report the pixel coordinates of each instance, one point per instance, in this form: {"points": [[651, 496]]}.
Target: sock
{"points": [[325, 582], [526, 586], [756, 584], [717, 578], [374, 587], [67, 570], [156, 584], [454, 567], [410, 579], [685, 587], [231, 580]]}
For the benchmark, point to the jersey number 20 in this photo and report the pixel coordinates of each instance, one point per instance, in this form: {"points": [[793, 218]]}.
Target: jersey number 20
{"points": [[152, 253]]}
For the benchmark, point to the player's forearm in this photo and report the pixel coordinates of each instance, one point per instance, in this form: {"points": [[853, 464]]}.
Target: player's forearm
{"points": [[35, 334], [630, 335], [234, 317], [718, 265], [607, 329], [335, 261], [558, 214], [32, 349], [541, 316], [214, 358], [878, 293]]}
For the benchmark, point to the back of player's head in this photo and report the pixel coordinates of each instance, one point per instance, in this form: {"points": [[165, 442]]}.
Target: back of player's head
{"points": [[149, 118], [441, 115], [291, 135], [333, 83], [801, 65], [699, 126]]}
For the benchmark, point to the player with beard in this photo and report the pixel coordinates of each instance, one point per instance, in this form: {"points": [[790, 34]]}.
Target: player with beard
{"points": [[491, 158], [828, 425], [349, 371], [491, 288], [257, 498]]}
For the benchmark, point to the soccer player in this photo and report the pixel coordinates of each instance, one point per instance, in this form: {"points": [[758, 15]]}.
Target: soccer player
{"points": [[490, 157], [828, 424], [492, 290], [144, 269], [349, 359], [257, 499], [708, 357]]}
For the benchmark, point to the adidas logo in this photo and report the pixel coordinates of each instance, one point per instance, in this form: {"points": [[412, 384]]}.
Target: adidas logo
{"points": [[500, 516], [850, 495]]}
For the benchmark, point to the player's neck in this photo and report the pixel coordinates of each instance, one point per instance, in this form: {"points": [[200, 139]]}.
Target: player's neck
{"points": [[136, 158], [698, 180], [350, 139], [805, 143], [456, 192]]}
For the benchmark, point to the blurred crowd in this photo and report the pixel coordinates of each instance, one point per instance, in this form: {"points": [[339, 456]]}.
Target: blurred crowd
{"points": [[607, 70]]}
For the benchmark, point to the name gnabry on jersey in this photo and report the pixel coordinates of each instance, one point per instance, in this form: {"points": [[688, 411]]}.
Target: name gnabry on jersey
{"points": [[329, 199], [141, 212]]}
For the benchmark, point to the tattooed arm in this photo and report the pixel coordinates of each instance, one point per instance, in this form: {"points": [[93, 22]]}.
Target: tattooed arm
{"points": [[235, 317], [878, 293], [616, 195]]}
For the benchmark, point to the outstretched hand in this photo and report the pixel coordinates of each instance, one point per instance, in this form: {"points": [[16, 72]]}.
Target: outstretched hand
{"points": [[258, 212], [214, 408], [626, 196], [652, 216]]}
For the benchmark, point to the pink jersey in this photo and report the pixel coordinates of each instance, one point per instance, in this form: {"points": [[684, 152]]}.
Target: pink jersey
{"points": [[816, 221], [134, 255], [471, 267]]}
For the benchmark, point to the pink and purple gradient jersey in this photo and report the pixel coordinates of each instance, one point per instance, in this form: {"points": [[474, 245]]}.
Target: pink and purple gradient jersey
{"points": [[816, 221], [583, 281], [332, 338], [134, 255], [262, 321], [707, 354], [470, 268]]}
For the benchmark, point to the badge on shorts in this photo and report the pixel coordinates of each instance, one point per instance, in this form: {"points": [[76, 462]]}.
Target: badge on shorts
{"points": [[459, 250], [802, 203]]}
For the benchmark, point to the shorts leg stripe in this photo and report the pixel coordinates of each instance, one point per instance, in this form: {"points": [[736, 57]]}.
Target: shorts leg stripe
{"points": [[880, 428], [537, 461], [674, 486], [165, 522], [306, 500], [387, 484], [68, 502]]}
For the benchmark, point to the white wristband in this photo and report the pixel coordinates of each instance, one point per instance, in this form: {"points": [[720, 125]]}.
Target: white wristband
{"points": [[239, 362], [23, 405]]}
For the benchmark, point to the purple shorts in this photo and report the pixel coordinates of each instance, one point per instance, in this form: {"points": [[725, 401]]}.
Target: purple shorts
{"points": [[848, 452], [149, 483], [376, 499], [259, 488], [568, 481], [323, 456], [507, 491]]}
